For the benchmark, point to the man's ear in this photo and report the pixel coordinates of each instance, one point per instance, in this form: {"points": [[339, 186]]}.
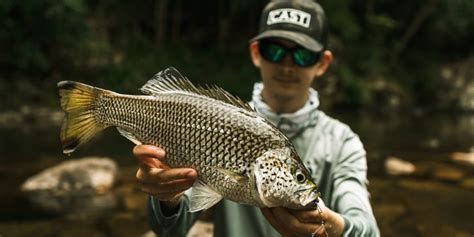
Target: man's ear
{"points": [[255, 54], [324, 63]]}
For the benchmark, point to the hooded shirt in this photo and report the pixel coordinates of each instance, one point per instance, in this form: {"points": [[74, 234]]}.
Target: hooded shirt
{"points": [[291, 124], [333, 154]]}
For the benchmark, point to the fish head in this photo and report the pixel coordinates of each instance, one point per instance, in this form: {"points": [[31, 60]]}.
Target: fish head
{"points": [[281, 180]]}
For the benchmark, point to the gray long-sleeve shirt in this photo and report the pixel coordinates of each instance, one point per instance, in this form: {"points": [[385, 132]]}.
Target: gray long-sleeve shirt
{"points": [[336, 160]]}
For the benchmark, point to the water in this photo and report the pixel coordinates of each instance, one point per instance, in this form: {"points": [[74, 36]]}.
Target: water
{"points": [[26, 149]]}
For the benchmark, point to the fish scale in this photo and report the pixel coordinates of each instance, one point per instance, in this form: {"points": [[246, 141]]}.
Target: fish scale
{"points": [[237, 154]]}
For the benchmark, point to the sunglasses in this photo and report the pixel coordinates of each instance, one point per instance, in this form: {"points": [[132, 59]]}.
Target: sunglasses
{"points": [[275, 52]]}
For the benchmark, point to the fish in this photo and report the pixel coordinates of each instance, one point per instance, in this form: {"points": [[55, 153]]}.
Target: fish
{"points": [[237, 154]]}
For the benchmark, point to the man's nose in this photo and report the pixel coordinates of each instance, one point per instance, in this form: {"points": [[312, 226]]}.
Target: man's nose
{"points": [[287, 61]]}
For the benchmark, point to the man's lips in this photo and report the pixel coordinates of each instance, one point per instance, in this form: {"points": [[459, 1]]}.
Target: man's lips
{"points": [[286, 80]]}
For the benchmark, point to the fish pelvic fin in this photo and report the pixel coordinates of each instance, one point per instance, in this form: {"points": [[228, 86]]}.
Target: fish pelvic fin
{"points": [[203, 197], [80, 123]]}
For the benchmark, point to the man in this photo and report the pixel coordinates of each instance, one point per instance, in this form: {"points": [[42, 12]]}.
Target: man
{"points": [[290, 52]]}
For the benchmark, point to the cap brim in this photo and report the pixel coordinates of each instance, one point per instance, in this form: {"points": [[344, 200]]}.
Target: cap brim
{"points": [[296, 37]]}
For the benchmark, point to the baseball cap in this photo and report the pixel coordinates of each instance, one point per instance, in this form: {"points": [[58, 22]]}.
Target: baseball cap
{"points": [[300, 21]]}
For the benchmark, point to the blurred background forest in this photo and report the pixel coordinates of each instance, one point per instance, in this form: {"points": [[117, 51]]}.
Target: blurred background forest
{"points": [[389, 54], [403, 79]]}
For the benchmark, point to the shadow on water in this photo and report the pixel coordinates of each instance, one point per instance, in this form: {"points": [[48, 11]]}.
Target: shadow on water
{"points": [[25, 150], [410, 136]]}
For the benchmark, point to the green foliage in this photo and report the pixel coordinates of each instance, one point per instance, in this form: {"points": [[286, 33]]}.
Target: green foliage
{"points": [[39, 35], [450, 29], [119, 44], [201, 66]]}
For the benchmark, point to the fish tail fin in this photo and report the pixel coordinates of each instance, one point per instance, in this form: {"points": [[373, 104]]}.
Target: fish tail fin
{"points": [[80, 123]]}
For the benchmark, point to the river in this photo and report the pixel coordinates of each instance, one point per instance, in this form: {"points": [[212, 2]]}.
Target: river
{"points": [[422, 138]]}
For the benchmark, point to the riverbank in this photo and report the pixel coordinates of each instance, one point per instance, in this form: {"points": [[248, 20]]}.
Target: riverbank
{"points": [[435, 201], [403, 206]]}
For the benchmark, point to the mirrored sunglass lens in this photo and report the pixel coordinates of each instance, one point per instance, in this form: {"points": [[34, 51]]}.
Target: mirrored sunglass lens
{"points": [[272, 52], [304, 57]]}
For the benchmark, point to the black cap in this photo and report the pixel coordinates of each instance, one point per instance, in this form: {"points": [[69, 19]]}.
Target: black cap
{"points": [[300, 21]]}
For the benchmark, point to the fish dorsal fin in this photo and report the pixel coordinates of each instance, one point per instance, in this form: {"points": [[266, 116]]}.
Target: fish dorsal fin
{"points": [[170, 80], [203, 197]]}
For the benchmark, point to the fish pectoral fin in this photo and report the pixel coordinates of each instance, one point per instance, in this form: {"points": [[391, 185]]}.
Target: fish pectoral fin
{"points": [[129, 136], [238, 178], [203, 197]]}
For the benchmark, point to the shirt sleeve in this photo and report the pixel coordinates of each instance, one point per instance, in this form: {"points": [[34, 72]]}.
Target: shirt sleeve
{"points": [[177, 224], [350, 195]]}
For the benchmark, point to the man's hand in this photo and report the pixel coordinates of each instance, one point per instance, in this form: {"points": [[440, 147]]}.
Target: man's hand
{"points": [[320, 222], [160, 180]]}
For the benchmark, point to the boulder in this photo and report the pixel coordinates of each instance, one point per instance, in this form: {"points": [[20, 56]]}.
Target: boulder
{"points": [[468, 183], [78, 184], [395, 166], [447, 173], [463, 158]]}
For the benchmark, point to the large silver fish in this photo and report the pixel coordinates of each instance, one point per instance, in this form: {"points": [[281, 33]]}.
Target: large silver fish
{"points": [[237, 154]]}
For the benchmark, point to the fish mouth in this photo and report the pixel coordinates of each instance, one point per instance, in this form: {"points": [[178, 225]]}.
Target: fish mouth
{"points": [[308, 197]]}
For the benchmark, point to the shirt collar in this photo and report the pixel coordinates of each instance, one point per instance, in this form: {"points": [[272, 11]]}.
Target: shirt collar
{"points": [[291, 124]]}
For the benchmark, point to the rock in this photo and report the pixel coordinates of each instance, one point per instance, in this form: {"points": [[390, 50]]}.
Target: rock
{"points": [[120, 225], [78, 175], [149, 233], [395, 166], [446, 173], [80, 231], [422, 185], [389, 211], [424, 169], [463, 158], [13, 228], [135, 202], [82, 184], [201, 229], [444, 230], [432, 143], [468, 183]]}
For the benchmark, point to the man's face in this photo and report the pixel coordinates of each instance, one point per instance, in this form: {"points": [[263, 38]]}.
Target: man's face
{"points": [[285, 80]]}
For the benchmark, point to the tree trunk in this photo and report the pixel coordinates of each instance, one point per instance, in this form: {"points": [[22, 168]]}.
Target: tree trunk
{"points": [[177, 19], [412, 29], [223, 25], [160, 21]]}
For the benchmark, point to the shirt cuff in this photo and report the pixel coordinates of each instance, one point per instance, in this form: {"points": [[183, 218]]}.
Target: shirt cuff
{"points": [[161, 218]]}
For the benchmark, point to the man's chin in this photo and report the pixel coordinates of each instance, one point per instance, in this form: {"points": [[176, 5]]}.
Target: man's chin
{"points": [[287, 93]]}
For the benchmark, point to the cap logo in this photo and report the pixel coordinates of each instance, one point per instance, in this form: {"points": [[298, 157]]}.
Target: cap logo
{"points": [[289, 15]]}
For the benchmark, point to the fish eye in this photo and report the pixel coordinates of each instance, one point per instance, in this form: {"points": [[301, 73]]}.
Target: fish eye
{"points": [[300, 177]]}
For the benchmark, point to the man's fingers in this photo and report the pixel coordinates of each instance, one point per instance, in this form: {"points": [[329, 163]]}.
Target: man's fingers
{"points": [[307, 216], [172, 187], [162, 194], [158, 176], [167, 196], [268, 214], [175, 174], [283, 216], [148, 151]]}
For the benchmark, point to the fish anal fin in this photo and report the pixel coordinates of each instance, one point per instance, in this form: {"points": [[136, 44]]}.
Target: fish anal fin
{"points": [[129, 136], [203, 197]]}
